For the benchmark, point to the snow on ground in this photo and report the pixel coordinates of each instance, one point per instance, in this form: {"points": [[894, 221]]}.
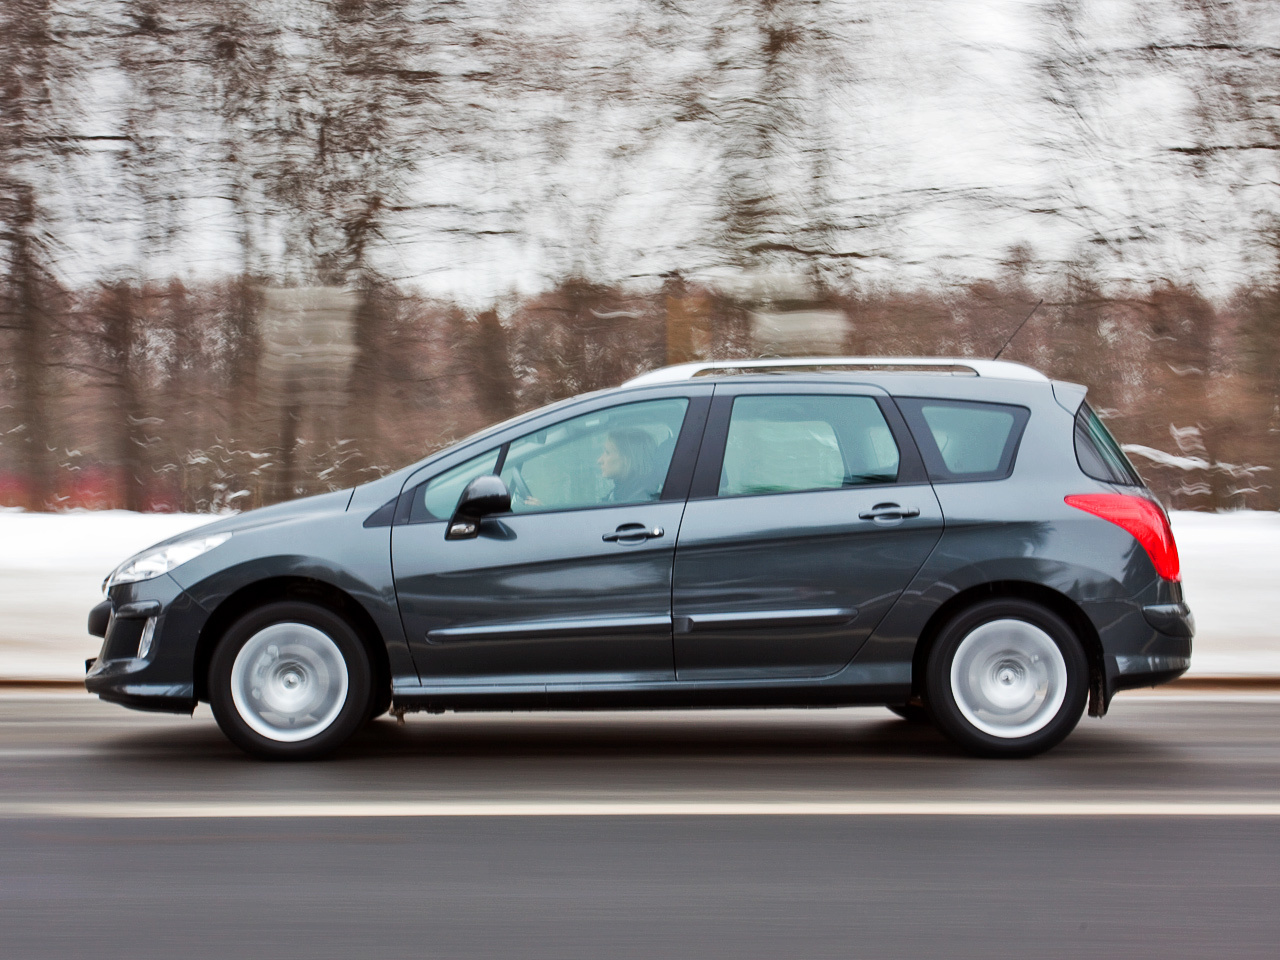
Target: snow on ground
{"points": [[1231, 575], [52, 567], [51, 570]]}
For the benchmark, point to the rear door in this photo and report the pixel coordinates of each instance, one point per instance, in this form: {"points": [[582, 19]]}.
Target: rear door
{"points": [[810, 512]]}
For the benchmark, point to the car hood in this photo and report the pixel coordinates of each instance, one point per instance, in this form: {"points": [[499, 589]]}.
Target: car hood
{"points": [[335, 502]]}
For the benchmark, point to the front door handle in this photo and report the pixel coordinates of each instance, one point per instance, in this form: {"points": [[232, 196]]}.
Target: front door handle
{"points": [[889, 511], [633, 533]]}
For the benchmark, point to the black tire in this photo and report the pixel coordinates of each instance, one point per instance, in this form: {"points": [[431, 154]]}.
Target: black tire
{"points": [[295, 631], [1020, 685], [911, 712]]}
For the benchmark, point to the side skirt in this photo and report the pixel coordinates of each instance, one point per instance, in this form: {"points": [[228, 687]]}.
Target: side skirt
{"points": [[834, 691]]}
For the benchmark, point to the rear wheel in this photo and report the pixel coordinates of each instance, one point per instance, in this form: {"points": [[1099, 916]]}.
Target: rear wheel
{"points": [[1007, 678], [290, 680]]}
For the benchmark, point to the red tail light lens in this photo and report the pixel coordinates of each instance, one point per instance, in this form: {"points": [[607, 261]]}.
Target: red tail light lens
{"points": [[1143, 519]]}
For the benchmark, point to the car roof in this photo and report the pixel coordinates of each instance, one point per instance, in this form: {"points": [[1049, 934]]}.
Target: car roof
{"points": [[861, 366]]}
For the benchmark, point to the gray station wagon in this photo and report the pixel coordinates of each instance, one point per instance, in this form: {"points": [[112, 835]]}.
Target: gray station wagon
{"points": [[959, 540]]}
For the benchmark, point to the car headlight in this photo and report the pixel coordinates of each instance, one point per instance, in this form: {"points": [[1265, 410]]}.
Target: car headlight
{"points": [[155, 562]]}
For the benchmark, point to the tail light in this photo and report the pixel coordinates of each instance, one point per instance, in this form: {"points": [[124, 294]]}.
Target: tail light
{"points": [[1143, 519]]}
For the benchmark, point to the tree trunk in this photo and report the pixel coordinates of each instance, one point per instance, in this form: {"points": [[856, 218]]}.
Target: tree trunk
{"points": [[365, 387], [31, 359], [119, 328], [494, 382]]}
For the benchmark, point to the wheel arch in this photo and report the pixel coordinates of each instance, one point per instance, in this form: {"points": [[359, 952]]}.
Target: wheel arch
{"points": [[305, 589], [1047, 597]]}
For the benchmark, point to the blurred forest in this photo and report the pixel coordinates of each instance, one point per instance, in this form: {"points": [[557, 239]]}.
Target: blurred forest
{"points": [[253, 249]]}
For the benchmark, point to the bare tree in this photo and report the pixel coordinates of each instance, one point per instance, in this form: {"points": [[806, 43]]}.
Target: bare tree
{"points": [[120, 356], [238, 44], [778, 62], [31, 137]]}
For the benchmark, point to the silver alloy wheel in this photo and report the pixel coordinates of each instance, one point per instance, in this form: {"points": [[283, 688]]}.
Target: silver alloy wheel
{"points": [[1008, 678], [289, 682]]}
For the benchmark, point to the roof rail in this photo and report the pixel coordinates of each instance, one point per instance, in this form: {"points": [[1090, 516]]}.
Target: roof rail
{"points": [[995, 369]]}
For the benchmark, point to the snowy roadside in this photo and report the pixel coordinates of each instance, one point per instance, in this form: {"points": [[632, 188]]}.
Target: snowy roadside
{"points": [[52, 567], [1230, 573], [51, 570]]}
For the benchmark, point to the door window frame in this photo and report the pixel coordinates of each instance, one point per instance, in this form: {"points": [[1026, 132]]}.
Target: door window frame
{"points": [[679, 472], [706, 475]]}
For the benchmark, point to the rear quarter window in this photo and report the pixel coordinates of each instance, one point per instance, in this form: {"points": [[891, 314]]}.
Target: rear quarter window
{"points": [[1098, 453], [964, 440]]}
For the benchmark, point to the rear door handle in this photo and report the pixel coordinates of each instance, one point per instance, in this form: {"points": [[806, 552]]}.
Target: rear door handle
{"points": [[633, 533], [889, 511]]}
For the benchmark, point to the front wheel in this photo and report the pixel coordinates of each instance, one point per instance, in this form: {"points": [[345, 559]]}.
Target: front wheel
{"points": [[1007, 678], [290, 680]]}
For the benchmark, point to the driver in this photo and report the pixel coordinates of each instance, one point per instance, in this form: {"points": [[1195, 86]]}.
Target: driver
{"points": [[630, 460]]}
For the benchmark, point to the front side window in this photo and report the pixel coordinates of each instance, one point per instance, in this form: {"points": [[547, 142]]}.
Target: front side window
{"points": [[786, 444], [437, 498], [619, 455], [965, 440]]}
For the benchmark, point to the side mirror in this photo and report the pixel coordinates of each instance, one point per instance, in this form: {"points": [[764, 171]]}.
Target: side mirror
{"points": [[482, 497]]}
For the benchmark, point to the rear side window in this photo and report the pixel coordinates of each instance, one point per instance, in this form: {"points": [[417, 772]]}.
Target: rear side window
{"points": [[1098, 453], [786, 444], [965, 440]]}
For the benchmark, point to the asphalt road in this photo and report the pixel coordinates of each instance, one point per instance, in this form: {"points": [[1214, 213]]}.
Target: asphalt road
{"points": [[786, 834]]}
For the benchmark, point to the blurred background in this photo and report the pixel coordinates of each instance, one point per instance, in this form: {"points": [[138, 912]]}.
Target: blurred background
{"points": [[251, 249], [255, 249]]}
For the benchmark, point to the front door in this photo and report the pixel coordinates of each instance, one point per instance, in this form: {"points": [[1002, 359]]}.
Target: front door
{"points": [[808, 518], [574, 585]]}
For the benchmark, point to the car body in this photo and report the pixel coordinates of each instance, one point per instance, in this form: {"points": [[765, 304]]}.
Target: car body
{"points": [[824, 532]]}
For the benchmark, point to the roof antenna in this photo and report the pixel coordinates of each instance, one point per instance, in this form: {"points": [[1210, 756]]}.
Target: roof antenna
{"points": [[1015, 333]]}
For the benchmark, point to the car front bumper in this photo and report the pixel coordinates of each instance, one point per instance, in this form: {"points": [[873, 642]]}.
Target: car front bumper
{"points": [[149, 632]]}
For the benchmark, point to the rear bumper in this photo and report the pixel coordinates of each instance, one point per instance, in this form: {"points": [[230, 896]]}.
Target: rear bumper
{"points": [[1149, 670], [1171, 619], [1166, 655], [1143, 645]]}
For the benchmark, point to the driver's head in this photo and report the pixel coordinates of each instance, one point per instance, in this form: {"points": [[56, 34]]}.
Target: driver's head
{"points": [[629, 453]]}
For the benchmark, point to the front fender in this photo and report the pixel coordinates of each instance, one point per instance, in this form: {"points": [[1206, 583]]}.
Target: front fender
{"points": [[335, 550]]}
